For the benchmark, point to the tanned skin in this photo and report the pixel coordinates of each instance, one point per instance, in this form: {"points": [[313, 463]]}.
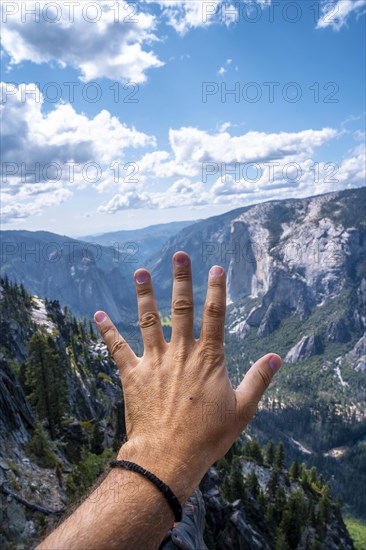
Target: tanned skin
{"points": [[182, 414]]}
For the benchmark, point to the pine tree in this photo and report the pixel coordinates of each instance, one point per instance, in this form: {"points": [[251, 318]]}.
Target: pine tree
{"points": [[279, 456], [281, 541], [226, 488], [39, 448], [294, 471], [304, 477], [97, 439], [45, 380], [324, 506], [236, 480], [120, 427], [92, 333], [313, 475], [253, 450], [292, 518], [273, 482], [253, 484], [269, 452]]}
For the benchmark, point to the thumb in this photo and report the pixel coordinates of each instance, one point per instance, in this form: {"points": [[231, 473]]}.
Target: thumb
{"points": [[257, 380]]}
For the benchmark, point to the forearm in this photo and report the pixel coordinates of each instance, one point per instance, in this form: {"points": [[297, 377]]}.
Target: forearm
{"points": [[125, 511]]}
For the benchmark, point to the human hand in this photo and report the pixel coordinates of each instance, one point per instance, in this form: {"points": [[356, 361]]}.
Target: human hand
{"points": [[182, 413]]}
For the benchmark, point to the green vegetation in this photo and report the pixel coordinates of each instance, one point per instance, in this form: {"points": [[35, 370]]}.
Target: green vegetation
{"points": [[39, 448], [357, 530], [86, 472], [45, 381], [283, 504]]}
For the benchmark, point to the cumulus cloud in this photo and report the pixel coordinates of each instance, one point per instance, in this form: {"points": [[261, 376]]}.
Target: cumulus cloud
{"points": [[336, 15], [128, 201], [181, 193], [244, 169], [191, 149], [14, 210], [120, 48], [45, 156]]}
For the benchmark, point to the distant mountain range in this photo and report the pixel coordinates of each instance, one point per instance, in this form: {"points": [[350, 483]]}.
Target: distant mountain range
{"points": [[143, 242]]}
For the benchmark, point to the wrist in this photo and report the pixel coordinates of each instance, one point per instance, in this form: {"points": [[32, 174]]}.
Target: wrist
{"points": [[179, 472]]}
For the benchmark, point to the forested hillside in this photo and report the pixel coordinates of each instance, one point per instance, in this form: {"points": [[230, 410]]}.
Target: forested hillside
{"points": [[62, 421]]}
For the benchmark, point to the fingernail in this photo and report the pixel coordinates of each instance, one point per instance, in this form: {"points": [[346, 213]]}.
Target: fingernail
{"points": [[100, 316], [275, 363], [181, 260], [216, 271], [142, 277]]}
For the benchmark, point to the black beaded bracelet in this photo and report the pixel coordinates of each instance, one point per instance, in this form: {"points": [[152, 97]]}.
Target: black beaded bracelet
{"points": [[163, 487]]}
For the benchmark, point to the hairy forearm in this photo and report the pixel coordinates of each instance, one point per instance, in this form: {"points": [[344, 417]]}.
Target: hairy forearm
{"points": [[125, 511]]}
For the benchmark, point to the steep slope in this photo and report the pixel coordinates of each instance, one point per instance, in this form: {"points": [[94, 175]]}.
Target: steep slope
{"points": [[51, 451], [61, 406], [81, 275]]}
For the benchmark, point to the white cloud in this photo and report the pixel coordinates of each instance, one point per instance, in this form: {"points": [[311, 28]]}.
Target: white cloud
{"points": [[336, 15], [13, 210], [181, 193], [127, 201], [223, 70], [193, 146], [352, 170], [118, 48], [224, 126], [248, 168], [184, 15], [45, 156]]}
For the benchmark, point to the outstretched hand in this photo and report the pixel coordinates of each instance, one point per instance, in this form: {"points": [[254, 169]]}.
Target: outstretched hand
{"points": [[182, 413]]}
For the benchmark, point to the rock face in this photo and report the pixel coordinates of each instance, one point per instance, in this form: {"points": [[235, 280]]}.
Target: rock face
{"points": [[291, 257], [357, 356], [81, 275], [16, 415], [308, 346]]}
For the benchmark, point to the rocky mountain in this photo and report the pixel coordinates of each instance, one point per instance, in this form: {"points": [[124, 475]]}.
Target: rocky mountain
{"points": [[60, 400], [295, 285], [88, 274], [81, 275]]}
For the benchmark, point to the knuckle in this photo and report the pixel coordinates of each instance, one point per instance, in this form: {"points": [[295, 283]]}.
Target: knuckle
{"points": [[211, 354], [215, 282], [148, 319], [143, 291], [214, 309], [180, 355], [107, 330], [182, 306], [264, 377], [182, 275], [118, 346]]}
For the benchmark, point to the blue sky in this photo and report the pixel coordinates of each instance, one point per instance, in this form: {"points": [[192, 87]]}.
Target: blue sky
{"points": [[152, 132]]}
